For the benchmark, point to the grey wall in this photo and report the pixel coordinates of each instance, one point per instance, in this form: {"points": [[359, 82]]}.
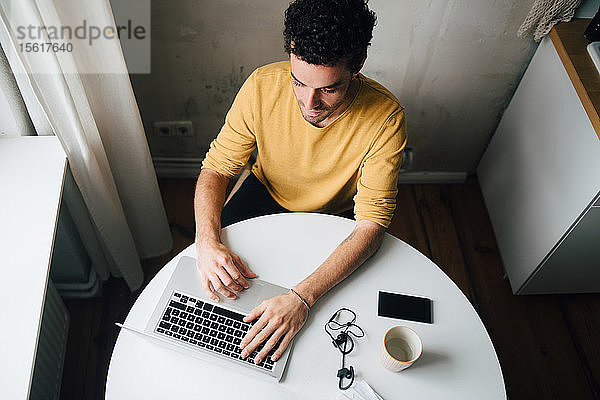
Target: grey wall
{"points": [[202, 51], [453, 64], [587, 9]]}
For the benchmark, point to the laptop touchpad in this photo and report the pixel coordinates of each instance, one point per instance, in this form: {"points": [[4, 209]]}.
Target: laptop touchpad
{"points": [[249, 298]]}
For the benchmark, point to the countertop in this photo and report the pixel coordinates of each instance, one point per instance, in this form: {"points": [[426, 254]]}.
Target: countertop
{"points": [[571, 46]]}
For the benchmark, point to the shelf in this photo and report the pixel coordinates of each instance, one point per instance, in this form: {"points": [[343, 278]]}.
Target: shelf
{"points": [[571, 45]]}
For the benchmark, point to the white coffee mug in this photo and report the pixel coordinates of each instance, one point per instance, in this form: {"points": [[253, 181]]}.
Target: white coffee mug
{"points": [[402, 346]]}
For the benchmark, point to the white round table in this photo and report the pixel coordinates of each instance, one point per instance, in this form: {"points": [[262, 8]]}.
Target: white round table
{"points": [[458, 360]]}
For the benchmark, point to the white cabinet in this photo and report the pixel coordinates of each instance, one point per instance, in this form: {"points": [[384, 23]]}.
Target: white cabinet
{"points": [[32, 170], [540, 177]]}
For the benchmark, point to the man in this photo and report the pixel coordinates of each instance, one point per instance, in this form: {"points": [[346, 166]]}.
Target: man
{"points": [[327, 139]]}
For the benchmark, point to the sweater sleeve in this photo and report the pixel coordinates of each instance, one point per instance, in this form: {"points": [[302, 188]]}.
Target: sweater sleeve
{"points": [[232, 148], [377, 187]]}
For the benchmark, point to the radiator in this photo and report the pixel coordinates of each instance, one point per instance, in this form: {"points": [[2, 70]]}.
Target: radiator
{"points": [[52, 343]]}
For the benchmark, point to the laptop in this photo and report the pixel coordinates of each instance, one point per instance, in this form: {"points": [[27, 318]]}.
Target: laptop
{"points": [[187, 319]]}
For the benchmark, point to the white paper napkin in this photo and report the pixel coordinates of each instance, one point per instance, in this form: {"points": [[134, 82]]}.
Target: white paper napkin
{"points": [[359, 391]]}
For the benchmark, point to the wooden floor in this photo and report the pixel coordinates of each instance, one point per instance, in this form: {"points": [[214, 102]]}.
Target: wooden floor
{"points": [[548, 346]]}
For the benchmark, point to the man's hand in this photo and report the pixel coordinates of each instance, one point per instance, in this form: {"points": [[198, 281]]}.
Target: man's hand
{"points": [[281, 317], [222, 269]]}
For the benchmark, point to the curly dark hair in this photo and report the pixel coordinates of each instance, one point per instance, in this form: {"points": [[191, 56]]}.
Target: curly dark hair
{"points": [[326, 32]]}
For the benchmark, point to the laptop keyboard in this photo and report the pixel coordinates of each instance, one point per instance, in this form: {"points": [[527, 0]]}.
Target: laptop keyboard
{"points": [[210, 327]]}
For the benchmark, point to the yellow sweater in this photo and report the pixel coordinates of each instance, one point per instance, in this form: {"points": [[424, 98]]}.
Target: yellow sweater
{"points": [[305, 168]]}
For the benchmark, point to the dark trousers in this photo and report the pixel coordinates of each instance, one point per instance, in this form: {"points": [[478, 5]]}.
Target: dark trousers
{"points": [[253, 200]]}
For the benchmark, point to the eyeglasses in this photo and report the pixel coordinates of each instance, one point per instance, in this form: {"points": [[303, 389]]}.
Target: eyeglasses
{"points": [[340, 328]]}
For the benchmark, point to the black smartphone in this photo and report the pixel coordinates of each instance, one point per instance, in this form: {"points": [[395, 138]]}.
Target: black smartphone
{"points": [[402, 306]]}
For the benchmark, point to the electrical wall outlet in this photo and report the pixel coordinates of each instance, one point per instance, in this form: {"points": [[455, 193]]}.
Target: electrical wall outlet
{"points": [[184, 128], [163, 129], [173, 128], [408, 159]]}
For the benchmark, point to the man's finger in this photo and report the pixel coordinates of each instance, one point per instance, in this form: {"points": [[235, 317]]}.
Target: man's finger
{"points": [[257, 327], [205, 282], [283, 345], [232, 285], [236, 275], [243, 267], [258, 339], [269, 345], [255, 313], [220, 288]]}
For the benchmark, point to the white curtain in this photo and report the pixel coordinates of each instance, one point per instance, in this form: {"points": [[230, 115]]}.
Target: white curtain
{"points": [[97, 120], [14, 120]]}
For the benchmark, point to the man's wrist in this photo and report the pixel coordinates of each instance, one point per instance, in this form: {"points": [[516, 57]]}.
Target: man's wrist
{"points": [[305, 295], [295, 294], [207, 237]]}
